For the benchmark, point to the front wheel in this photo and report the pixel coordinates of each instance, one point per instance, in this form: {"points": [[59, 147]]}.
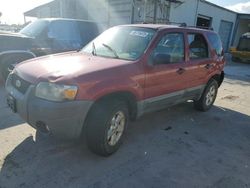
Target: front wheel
{"points": [[208, 97], [105, 127]]}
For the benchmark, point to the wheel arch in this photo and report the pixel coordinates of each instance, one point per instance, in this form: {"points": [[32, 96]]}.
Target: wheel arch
{"points": [[126, 96], [16, 52], [218, 77]]}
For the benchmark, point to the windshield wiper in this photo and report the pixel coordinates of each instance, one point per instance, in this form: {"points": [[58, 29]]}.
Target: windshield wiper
{"points": [[112, 50], [93, 49]]}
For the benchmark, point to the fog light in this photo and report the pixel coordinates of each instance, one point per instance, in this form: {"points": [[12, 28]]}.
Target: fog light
{"points": [[42, 127]]}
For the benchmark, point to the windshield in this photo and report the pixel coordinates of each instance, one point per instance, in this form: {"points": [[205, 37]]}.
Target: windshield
{"points": [[127, 43], [244, 44], [35, 28]]}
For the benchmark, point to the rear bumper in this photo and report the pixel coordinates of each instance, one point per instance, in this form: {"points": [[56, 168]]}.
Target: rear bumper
{"points": [[63, 119]]}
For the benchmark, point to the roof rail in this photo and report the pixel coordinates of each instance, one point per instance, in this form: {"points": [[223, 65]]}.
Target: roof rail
{"points": [[202, 27], [183, 24]]}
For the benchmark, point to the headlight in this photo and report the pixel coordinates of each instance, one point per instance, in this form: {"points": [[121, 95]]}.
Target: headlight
{"points": [[55, 92]]}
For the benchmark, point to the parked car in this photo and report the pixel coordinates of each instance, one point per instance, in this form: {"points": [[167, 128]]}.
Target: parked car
{"points": [[242, 52], [43, 37], [125, 72]]}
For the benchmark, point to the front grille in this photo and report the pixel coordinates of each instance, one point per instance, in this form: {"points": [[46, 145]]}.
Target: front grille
{"points": [[19, 83]]}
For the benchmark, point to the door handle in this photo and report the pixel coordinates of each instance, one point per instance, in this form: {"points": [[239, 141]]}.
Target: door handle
{"points": [[208, 66], [180, 70]]}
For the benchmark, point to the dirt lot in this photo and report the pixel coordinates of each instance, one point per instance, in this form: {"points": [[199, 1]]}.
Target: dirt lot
{"points": [[177, 147]]}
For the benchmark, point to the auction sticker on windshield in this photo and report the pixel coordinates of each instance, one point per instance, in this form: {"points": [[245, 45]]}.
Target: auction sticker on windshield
{"points": [[139, 33]]}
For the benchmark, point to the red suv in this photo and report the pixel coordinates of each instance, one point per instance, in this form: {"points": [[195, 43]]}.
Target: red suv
{"points": [[125, 72]]}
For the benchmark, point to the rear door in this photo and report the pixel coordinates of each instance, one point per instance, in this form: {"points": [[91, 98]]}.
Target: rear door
{"points": [[166, 78], [200, 63]]}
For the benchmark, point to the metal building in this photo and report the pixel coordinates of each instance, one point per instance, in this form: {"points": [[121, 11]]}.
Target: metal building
{"points": [[111, 12]]}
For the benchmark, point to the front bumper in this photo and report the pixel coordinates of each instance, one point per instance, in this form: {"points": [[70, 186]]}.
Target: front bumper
{"points": [[63, 119]]}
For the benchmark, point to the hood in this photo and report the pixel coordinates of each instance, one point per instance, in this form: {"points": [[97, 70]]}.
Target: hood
{"points": [[64, 67], [10, 34], [14, 41]]}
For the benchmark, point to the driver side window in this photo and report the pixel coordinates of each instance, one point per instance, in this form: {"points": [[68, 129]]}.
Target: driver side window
{"points": [[170, 49]]}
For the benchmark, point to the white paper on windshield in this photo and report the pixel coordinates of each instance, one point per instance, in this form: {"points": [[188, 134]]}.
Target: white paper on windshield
{"points": [[139, 33]]}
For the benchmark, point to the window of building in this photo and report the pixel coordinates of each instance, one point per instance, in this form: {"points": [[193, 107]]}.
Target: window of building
{"points": [[203, 21], [171, 46], [198, 48]]}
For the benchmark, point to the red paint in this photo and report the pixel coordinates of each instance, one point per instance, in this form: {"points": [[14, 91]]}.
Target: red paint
{"points": [[99, 76]]}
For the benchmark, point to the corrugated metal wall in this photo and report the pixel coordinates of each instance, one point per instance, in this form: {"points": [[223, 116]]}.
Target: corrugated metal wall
{"points": [[109, 12], [115, 12], [151, 11], [119, 12]]}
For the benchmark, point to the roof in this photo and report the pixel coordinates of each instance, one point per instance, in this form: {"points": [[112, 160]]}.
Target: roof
{"points": [[66, 19], [32, 12], [243, 16], [152, 26]]}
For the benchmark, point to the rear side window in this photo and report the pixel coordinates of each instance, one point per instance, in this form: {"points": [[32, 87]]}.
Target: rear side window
{"points": [[215, 42], [198, 48]]}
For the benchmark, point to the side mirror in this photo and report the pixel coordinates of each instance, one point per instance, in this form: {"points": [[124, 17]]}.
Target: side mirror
{"points": [[160, 58]]}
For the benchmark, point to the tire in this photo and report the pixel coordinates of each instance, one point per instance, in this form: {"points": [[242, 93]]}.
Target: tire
{"points": [[208, 96], [103, 138]]}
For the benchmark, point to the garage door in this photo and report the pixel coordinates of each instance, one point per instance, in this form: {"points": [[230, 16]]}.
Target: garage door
{"points": [[225, 33]]}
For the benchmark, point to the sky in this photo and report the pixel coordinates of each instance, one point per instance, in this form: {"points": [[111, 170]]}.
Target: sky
{"points": [[12, 10], [242, 6]]}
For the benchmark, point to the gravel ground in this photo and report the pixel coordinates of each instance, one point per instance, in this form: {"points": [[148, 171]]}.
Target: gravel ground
{"points": [[176, 147]]}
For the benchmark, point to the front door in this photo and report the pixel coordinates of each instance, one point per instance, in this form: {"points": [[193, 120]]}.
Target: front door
{"points": [[166, 75]]}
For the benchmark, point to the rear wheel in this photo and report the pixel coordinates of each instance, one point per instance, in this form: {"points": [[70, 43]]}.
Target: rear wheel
{"points": [[105, 126], [208, 97]]}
